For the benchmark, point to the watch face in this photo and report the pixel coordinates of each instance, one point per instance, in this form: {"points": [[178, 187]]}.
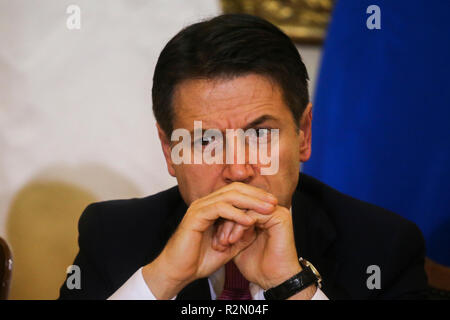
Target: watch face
{"points": [[314, 270]]}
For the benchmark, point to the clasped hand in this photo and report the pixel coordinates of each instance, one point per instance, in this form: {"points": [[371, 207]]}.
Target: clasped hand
{"points": [[238, 222]]}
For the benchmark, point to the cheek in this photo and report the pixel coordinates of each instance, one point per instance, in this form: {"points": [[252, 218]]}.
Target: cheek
{"points": [[285, 182], [196, 180], [289, 162], [289, 152]]}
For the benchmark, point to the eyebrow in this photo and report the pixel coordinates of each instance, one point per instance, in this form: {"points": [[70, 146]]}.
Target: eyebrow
{"points": [[251, 125], [259, 120]]}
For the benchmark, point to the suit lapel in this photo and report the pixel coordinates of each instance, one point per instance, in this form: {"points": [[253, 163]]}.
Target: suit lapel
{"points": [[314, 237], [196, 290]]}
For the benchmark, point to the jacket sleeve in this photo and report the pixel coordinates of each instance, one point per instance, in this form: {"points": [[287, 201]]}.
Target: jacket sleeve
{"points": [[410, 280], [89, 259]]}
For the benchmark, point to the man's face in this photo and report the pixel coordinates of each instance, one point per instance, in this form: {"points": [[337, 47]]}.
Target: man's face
{"points": [[245, 102]]}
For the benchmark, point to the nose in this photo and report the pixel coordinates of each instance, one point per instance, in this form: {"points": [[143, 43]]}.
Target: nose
{"points": [[237, 167], [238, 173]]}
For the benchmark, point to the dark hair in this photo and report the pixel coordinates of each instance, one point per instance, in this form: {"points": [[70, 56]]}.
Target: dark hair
{"points": [[228, 46]]}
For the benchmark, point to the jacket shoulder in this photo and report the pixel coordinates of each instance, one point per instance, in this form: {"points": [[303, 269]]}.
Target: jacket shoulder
{"points": [[367, 235], [348, 213], [120, 236], [127, 215]]}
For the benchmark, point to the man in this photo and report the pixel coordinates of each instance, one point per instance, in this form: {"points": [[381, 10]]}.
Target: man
{"points": [[228, 231]]}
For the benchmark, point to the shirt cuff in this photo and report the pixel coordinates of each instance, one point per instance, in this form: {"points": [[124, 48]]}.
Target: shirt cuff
{"points": [[135, 288], [319, 295]]}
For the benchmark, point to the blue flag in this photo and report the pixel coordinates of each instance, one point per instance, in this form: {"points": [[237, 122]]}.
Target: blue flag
{"points": [[381, 114]]}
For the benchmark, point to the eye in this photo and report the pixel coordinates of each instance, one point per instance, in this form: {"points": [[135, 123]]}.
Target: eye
{"points": [[204, 141], [260, 135], [262, 132]]}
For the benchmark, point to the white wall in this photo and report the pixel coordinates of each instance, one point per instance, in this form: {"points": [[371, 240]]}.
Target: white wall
{"points": [[75, 106], [311, 56]]}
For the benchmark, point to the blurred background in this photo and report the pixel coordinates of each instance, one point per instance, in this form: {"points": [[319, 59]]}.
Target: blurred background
{"points": [[76, 123]]}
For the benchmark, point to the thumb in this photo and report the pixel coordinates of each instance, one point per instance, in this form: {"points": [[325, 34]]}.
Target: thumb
{"points": [[248, 237]]}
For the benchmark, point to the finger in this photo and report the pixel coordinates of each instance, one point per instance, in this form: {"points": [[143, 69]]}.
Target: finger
{"points": [[246, 189], [281, 215], [215, 239], [219, 227], [227, 227], [252, 191], [216, 245], [260, 219], [219, 234], [226, 211], [241, 201], [237, 233], [247, 239]]}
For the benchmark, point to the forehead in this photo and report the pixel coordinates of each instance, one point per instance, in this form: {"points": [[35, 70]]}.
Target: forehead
{"points": [[228, 103]]}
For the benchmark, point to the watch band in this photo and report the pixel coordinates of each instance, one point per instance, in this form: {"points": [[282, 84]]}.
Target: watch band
{"points": [[297, 283]]}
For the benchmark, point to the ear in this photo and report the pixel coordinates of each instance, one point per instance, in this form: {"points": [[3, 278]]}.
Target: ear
{"points": [[165, 144], [306, 134]]}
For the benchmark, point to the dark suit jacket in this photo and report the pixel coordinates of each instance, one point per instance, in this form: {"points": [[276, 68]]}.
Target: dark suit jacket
{"points": [[340, 235]]}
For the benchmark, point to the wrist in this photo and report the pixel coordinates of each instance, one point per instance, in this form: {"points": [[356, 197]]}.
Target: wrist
{"points": [[276, 280], [305, 294], [161, 284], [301, 286]]}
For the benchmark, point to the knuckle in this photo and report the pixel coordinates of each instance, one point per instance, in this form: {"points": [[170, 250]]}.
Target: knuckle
{"points": [[231, 194], [220, 205]]}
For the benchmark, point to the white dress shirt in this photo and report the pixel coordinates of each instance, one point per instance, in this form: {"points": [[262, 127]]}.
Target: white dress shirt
{"points": [[135, 288]]}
